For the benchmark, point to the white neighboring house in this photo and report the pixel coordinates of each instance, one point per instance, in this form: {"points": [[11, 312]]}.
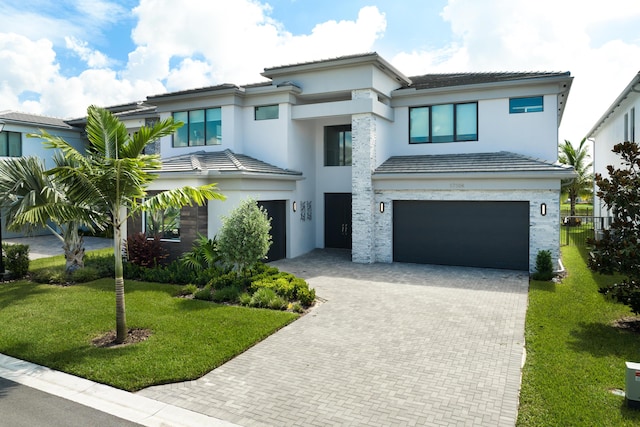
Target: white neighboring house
{"points": [[455, 169], [617, 124], [14, 127]]}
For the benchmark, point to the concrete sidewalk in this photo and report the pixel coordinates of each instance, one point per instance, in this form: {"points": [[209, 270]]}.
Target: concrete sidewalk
{"points": [[131, 407]]}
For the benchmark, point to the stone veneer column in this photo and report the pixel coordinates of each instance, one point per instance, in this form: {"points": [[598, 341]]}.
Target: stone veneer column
{"points": [[363, 154]]}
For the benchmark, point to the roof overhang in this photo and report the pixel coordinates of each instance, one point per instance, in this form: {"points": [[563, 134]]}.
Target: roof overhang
{"points": [[633, 86]]}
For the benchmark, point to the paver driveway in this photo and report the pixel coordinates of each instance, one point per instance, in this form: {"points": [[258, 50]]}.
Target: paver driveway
{"points": [[392, 344]]}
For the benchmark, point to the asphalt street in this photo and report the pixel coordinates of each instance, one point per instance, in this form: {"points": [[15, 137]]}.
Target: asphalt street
{"points": [[25, 406]]}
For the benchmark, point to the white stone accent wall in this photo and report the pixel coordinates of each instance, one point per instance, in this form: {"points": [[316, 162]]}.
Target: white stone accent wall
{"points": [[363, 136], [544, 231]]}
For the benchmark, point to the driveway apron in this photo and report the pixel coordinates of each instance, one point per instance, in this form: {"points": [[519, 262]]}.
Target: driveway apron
{"points": [[389, 344]]}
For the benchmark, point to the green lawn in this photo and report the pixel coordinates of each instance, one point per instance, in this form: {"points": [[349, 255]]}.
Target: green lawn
{"points": [[574, 355], [584, 209], [53, 326]]}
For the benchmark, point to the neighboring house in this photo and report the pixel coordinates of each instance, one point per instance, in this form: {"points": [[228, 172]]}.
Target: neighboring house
{"points": [[14, 128], [617, 124], [457, 169]]}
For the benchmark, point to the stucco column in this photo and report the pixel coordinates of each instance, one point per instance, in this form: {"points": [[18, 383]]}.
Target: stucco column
{"points": [[363, 136]]}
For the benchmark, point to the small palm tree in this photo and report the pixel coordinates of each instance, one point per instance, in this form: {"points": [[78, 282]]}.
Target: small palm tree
{"points": [[583, 183], [30, 198], [112, 176]]}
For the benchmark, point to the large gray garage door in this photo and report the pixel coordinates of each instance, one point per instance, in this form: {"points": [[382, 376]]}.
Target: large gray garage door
{"points": [[475, 234]]}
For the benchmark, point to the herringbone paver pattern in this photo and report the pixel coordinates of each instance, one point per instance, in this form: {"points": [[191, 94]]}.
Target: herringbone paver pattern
{"points": [[392, 344]]}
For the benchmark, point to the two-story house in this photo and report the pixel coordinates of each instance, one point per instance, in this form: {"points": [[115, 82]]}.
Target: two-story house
{"points": [[14, 128], [457, 169], [617, 124]]}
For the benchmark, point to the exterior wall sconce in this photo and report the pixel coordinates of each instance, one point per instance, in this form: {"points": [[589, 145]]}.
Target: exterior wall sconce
{"points": [[381, 207], [543, 209], [294, 206]]}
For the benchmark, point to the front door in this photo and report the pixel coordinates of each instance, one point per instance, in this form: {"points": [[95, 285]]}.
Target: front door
{"points": [[337, 220]]}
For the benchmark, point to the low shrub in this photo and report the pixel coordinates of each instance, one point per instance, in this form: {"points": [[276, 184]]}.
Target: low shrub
{"points": [[51, 276], [296, 307], [145, 251], [228, 294], [187, 290], [16, 260], [288, 286], [85, 274], [203, 294], [244, 299], [262, 297], [306, 296], [544, 266], [104, 264]]}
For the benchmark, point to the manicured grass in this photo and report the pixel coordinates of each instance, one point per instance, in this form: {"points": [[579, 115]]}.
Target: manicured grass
{"points": [[53, 326], [574, 355], [585, 209]]}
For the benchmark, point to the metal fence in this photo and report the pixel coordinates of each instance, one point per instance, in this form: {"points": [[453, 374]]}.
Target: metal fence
{"points": [[575, 230]]}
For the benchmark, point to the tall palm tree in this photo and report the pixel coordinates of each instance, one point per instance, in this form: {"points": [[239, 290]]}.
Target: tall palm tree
{"points": [[30, 198], [113, 176], [578, 158]]}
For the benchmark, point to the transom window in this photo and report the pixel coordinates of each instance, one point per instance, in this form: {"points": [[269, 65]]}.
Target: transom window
{"points": [[10, 144], [443, 123], [201, 127], [337, 145], [267, 112], [533, 104]]}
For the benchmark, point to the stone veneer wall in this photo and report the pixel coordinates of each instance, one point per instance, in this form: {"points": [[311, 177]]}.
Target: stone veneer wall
{"points": [[544, 231], [363, 136]]}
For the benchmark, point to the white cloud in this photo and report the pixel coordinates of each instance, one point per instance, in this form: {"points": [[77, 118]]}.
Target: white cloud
{"points": [[93, 58], [238, 40], [546, 35]]}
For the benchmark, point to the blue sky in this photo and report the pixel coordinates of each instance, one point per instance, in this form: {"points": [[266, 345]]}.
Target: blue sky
{"points": [[58, 57]]}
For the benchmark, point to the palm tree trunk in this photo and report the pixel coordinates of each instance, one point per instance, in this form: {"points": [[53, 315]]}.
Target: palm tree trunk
{"points": [[121, 321]]}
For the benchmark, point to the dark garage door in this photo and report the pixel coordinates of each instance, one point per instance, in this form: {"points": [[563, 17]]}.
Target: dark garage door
{"points": [[474, 234]]}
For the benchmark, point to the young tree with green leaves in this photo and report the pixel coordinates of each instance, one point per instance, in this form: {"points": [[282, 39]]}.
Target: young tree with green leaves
{"points": [[113, 175], [578, 158], [244, 238], [618, 251]]}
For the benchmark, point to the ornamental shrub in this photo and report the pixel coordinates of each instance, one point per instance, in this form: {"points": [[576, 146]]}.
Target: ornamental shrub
{"points": [[244, 238], [544, 266], [17, 260], [145, 251]]}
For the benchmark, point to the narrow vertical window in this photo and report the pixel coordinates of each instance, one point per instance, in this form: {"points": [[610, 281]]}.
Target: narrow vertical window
{"points": [[442, 123], [626, 127], [337, 146], [196, 127], [181, 137], [419, 125], [214, 126], [632, 125], [467, 122]]}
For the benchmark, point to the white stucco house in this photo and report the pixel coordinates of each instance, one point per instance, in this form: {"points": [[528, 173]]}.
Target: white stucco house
{"points": [[457, 169], [14, 128], [617, 124]]}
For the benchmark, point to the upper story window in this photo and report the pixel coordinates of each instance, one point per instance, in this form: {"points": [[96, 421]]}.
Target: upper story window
{"points": [[443, 123], [632, 125], [267, 112], [626, 127], [201, 127], [532, 104], [337, 145], [10, 144]]}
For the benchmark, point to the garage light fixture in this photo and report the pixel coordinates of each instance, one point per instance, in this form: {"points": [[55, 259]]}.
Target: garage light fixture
{"points": [[381, 207], [294, 206], [543, 209]]}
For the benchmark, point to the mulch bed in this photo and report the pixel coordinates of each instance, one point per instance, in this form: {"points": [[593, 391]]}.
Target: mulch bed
{"points": [[134, 336], [630, 323]]}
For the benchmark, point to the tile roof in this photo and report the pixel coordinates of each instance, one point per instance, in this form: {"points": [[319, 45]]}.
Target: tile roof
{"points": [[222, 162], [499, 162], [432, 81], [33, 119]]}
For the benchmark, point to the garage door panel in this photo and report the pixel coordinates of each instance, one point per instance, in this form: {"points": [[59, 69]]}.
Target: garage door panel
{"points": [[478, 234]]}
